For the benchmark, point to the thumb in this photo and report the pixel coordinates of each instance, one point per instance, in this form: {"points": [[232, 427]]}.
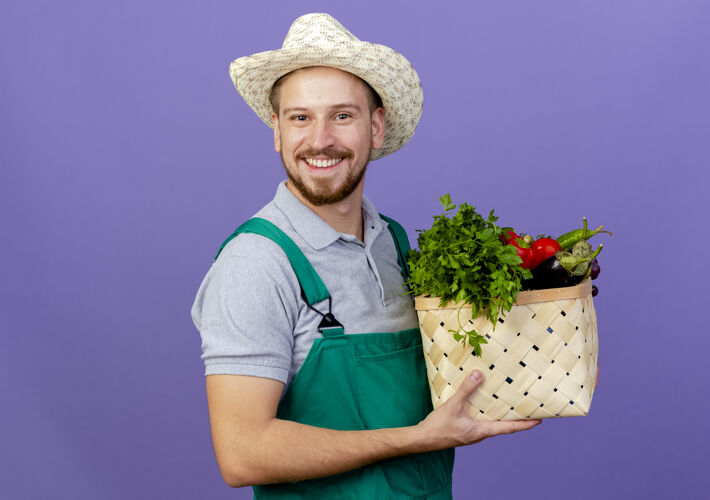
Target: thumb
{"points": [[469, 385]]}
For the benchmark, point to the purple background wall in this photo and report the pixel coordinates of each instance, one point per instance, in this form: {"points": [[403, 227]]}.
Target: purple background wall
{"points": [[126, 156]]}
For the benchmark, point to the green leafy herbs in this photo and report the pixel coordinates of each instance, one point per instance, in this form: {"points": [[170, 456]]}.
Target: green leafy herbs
{"points": [[463, 258]]}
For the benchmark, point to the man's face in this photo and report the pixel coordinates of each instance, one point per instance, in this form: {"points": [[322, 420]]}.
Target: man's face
{"points": [[324, 132]]}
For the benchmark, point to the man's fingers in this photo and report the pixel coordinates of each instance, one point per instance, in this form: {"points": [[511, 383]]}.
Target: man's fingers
{"points": [[469, 385], [508, 427]]}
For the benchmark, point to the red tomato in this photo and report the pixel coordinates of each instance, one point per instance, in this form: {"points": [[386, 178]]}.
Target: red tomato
{"points": [[543, 249]]}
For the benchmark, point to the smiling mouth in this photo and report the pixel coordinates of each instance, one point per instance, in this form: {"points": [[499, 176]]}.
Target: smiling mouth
{"points": [[323, 163]]}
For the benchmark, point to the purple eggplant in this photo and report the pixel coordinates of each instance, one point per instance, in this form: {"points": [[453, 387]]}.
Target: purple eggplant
{"points": [[595, 269], [550, 274], [563, 269]]}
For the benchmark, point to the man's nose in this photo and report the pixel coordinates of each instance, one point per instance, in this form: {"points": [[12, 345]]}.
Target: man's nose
{"points": [[322, 135]]}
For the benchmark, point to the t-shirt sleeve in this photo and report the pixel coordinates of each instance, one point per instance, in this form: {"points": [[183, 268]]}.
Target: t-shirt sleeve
{"points": [[246, 310]]}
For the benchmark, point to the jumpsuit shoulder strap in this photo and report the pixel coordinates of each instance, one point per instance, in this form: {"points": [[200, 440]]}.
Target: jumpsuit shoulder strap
{"points": [[401, 243], [314, 289]]}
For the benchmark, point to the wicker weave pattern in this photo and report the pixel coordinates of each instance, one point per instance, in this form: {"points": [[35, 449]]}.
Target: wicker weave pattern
{"points": [[540, 361]]}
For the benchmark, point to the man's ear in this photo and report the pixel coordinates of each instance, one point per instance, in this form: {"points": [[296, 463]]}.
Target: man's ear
{"points": [[378, 127], [277, 134]]}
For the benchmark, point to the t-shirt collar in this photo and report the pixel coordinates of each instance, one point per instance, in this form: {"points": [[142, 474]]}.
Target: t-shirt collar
{"points": [[315, 230]]}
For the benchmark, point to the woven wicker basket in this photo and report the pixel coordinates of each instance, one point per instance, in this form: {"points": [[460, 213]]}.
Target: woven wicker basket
{"points": [[540, 360]]}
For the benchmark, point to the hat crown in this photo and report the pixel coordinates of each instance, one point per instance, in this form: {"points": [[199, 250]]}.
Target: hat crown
{"points": [[317, 30]]}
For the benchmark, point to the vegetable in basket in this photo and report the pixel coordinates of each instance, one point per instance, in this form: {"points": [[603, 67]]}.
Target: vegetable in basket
{"points": [[521, 246], [568, 267], [595, 269], [568, 240], [562, 269], [532, 252], [464, 258]]}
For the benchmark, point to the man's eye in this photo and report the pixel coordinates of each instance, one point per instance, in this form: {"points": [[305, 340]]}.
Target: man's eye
{"points": [[300, 118], [343, 116]]}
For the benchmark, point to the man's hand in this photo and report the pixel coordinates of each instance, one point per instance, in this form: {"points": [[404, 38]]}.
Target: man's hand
{"points": [[450, 424]]}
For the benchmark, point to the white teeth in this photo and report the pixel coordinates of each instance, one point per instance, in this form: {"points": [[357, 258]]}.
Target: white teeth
{"points": [[323, 163]]}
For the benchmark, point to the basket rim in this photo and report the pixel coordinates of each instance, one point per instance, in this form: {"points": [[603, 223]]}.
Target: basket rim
{"points": [[427, 302]]}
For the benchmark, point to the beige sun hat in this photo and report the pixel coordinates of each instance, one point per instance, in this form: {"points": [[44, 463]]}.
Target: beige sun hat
{"points": [[320, 40]]}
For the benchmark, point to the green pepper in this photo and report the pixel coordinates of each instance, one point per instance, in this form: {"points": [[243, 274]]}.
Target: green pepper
{"points": [[568, 240]]}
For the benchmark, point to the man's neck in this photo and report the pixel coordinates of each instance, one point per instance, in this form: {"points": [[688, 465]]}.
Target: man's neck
{"points": [[344, 216]]}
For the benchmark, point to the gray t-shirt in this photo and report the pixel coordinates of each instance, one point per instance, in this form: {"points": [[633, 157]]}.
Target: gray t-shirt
{"points": [[249, 309]]}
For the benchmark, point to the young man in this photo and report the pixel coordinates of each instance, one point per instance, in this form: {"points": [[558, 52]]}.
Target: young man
{"points": [[316, 382]]}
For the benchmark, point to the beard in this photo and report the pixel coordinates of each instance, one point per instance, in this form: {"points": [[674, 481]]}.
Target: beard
{"points": [[322, 192]]}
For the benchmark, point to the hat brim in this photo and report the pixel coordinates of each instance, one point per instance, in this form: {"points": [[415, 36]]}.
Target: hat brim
{"points": [[387, 71]]}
